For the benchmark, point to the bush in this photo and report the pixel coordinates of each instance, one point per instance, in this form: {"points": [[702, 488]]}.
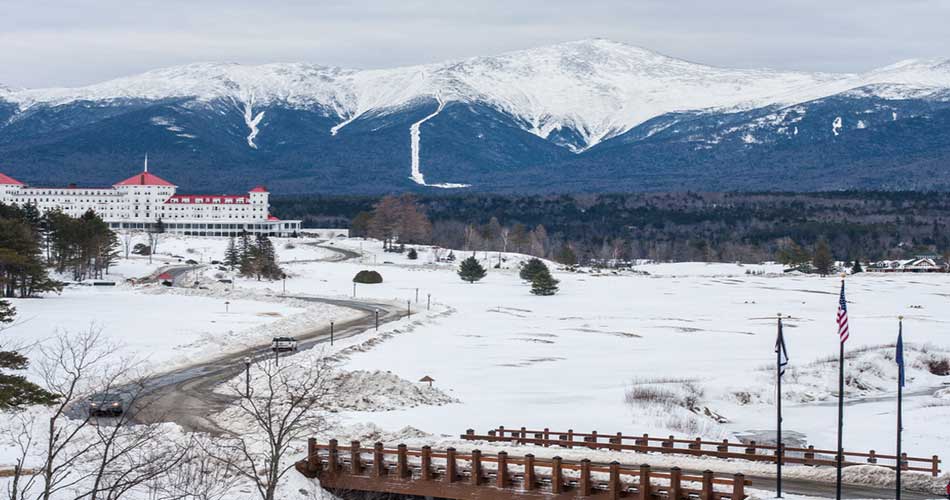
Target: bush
{"points": [[141, 249], [412, 255], [531, 269], [368, 277]]}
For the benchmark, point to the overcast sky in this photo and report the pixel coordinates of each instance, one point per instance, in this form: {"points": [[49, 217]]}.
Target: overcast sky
{"points": [[64, 43]]}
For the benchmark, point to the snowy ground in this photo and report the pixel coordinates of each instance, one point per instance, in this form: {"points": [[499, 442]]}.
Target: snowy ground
{"points": [[699, 335]]}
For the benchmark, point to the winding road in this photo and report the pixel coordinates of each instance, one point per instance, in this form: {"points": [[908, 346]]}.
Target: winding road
{"points": [[186, 396]]}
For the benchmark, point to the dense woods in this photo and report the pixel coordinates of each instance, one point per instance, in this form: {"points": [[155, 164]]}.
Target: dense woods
{"points": [[663, 226]]}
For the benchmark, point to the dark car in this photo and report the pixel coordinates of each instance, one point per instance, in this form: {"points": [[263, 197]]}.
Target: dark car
{"points": [[107, 404], [191, 262]]}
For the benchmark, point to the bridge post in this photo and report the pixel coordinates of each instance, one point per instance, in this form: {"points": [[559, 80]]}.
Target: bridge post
{"points": [[902, 461], [524, 434], [450, 466], [313, 456], [557, 477], [668, 443], [593, 440], [491, 436], [810, 454], [584, 482], [476, 468], [333, 457], [402, 462], [723, 448], [379, 468], [750, 449], [614, 486], [707, 493], [501, 432], [676, 487], [872, 457], [529, 478], [738, 486], [570, 438], [644, 488], [426, 473], [935, 466], [547, 436], [618, 441], [356, 462], [643, 442], [501, 479], [696, 445]]}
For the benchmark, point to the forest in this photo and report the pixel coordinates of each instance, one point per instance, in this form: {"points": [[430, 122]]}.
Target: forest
{"points": [[724, 227]]}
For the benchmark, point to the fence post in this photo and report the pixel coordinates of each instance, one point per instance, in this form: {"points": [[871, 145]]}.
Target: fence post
{"points": [[501, 432], [402, 462], [614, 486], [313, 456], [723, 448], [426, 463], [356, 465], [557, 479], [570, 438], [593, 440], [667, 443], [738, 486], [696, 445], [529, 477], [707, 493], [584, 480], [450, 466], [476, 467], [810, 454], [547, 437], [491, 436], [902, 461], [645, 493], [643, 443], [378, 467], [524, 434], [750, 449], [676, 488], [935, 466], [501, 479], [872, 457], [470, 432], [333, 458]]}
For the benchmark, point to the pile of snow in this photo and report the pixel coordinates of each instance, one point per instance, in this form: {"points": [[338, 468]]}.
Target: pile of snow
{"points": [[363, 390]]}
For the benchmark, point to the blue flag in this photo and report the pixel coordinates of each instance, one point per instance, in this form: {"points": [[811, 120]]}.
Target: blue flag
{"points": [[899, 357]]}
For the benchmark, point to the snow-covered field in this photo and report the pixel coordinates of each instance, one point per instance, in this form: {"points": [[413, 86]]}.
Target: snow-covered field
{"points": [[673, 339]]}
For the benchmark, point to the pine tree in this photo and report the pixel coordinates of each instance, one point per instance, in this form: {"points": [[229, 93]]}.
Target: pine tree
{"points": [[532, 268], [823, 261], [470, 270], [856, 267], [544, 284], [15, 390], [232, 257]]}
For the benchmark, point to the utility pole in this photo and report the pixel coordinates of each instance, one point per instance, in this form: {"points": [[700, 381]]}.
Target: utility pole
{"points": [[354, 289], [377, 320], [408, 309], [331, 333], [417, 295], [227, 306], [428, 301]]}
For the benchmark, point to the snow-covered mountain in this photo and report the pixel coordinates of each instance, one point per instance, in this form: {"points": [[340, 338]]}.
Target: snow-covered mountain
{"points": [[573, 98]]}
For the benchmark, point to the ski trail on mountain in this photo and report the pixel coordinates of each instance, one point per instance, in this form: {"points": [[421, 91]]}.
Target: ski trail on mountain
{"points": [[415, 138], [252, 122]]}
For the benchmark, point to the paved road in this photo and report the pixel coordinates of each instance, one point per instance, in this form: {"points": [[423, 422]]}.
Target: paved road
{"points": [[186, 396]]}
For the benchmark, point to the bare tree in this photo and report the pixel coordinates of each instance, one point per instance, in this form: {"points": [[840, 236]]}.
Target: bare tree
{"points": [[154, 238], [127, 237], [286, 404]]}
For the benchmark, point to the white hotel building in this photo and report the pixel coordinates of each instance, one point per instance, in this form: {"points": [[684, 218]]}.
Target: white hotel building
{"points": [[145, 200]]}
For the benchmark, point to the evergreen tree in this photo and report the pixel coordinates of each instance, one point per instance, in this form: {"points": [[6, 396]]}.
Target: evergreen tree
{"points": [[16, 391], [232, 257], [470, 270], [856, 267], [544, 284], [566, 255], [532, 268], [823, 261]]}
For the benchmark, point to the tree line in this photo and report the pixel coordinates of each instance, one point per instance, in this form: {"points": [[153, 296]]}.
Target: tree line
{"points": [[610, 228]]}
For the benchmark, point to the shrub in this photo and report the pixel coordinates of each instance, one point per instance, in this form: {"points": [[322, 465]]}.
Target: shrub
{"points": [[531, 268], [939, 367], [141, 249], [412, 255], [368, 277]]}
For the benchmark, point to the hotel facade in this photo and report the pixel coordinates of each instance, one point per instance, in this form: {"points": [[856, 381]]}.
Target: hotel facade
{"points": [[146, 202]]}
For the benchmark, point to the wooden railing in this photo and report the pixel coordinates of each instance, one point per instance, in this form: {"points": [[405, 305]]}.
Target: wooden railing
{"points": [[450, 474], [721, 449]]}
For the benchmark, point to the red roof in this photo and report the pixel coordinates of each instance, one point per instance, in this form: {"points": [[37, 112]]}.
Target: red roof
{"points": [[271, 217], [165, 276], [259, 189], [6, 180], [145, 179]]}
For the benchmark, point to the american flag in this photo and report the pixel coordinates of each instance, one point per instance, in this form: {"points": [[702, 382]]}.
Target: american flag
{"points": [[842, 316]]}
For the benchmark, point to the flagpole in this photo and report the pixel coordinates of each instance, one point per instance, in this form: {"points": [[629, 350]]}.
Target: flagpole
{"points": [[900, 397], [839, 457], [778, 405]]}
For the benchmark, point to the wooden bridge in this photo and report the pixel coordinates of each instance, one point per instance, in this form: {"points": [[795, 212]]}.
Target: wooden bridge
{"points": [[698, 447], [452, 475]]}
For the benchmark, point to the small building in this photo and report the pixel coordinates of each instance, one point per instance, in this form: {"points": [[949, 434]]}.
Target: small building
{"points": [[920, 264]]}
